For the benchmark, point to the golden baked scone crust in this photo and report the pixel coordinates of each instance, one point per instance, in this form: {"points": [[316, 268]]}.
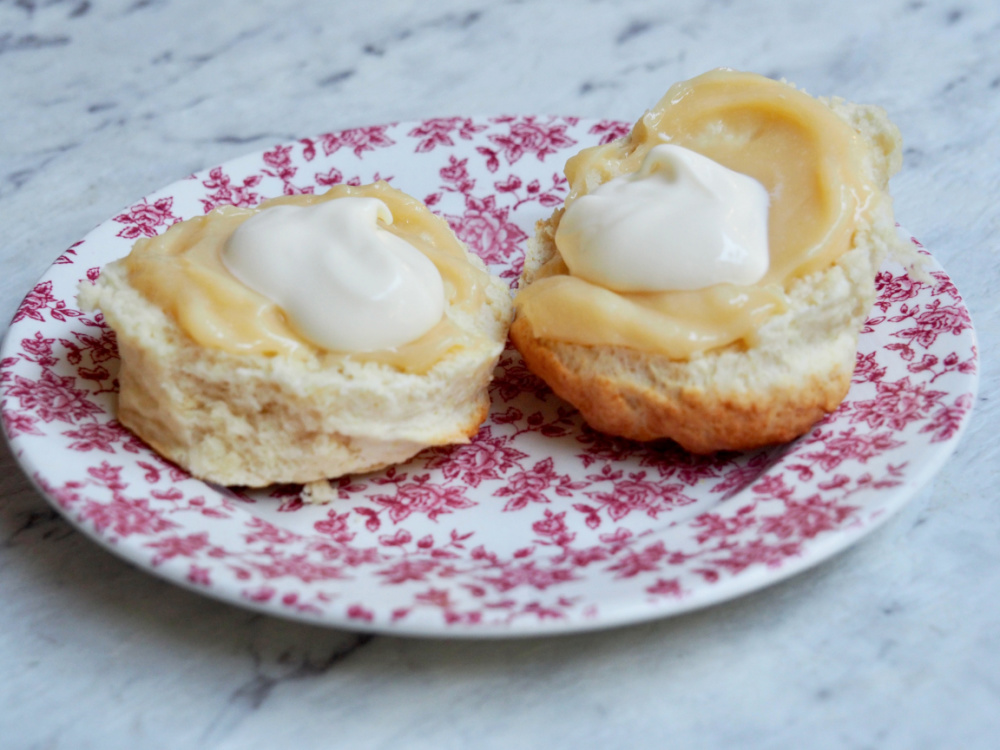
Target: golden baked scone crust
{"points": [[734, 398], [645, 400]]}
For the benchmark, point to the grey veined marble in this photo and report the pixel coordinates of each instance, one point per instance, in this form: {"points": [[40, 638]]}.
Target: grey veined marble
{"points": [[892, 645]]}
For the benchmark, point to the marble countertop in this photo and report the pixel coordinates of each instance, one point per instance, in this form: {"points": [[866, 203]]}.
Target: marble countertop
{"points": [[893, 644]]}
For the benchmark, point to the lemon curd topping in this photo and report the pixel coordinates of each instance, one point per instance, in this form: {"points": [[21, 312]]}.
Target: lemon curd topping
{"points": [[810, 161], [182, 272]]}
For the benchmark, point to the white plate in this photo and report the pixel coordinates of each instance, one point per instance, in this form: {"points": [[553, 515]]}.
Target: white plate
{"points": [[540, 525]]}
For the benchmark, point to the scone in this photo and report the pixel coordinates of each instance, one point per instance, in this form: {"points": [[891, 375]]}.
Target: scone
{"points": [[648, 365], [218, 378]]}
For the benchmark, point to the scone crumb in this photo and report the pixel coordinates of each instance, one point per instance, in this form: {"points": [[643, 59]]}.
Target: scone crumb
{"points": [[318, 492], [907, 255]]}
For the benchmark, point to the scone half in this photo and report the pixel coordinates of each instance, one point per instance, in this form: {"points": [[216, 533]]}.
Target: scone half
{"points": [[246, 420], [735, 397]]}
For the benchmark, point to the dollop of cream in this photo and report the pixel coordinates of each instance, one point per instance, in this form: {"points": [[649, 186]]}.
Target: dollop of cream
{"points": [[345, 283], [681, 222]]}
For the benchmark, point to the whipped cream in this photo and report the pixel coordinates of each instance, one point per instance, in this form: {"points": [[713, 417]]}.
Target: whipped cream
{"points": [[681, 222], [345, 283]]}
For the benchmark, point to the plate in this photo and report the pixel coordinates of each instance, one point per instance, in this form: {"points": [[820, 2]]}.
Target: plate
{"points": [[539, 525]]}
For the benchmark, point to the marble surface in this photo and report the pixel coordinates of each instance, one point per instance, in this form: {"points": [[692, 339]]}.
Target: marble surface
{"points": [[894, 644]]}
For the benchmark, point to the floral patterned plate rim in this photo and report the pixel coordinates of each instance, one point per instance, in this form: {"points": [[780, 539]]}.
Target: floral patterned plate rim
{"points": [[539, 525]]}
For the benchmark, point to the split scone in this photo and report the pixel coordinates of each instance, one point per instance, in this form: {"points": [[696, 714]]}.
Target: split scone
{"points": [[655, 318], [254, 352]]}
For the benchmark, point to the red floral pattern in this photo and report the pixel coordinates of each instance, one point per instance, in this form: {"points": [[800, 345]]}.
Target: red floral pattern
{"points": [[527, 526], [357, 140], [439, 131], [51, 397], [280, 164], [487, 229], [609, 130], [225, 193], [144, 219], [40, 302], [531, 135]]}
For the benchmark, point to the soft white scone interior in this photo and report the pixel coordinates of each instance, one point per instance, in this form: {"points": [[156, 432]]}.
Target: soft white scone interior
{"points": [[767, 389], [258, 419]]}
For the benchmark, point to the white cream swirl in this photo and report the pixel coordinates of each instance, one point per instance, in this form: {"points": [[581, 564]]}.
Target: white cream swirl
{"points": [[681, 222], [345, 283]]}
